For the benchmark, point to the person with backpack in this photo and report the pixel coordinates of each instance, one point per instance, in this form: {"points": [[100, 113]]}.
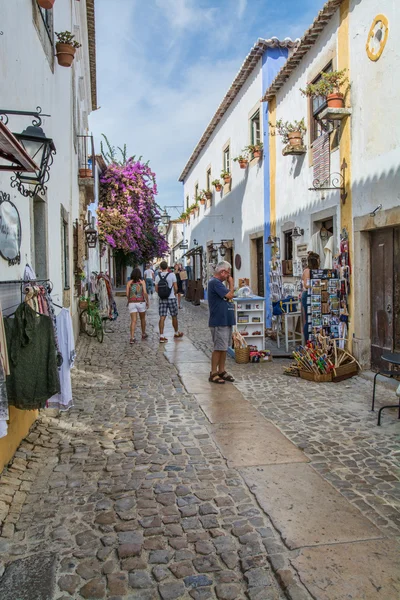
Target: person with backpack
{"points": [[138, 302], [166, 288]]}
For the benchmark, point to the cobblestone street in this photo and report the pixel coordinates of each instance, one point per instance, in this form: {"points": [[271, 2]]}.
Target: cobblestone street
{"points": [[153, 486]]}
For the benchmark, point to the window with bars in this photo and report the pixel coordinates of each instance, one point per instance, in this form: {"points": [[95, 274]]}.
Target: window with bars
{"points": [[255, 130], [288, 245], [227, 159], [65, 248], [317, 105]]}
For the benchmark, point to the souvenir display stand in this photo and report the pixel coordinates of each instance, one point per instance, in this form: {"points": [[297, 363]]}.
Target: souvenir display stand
{"points": [[249, 314]]}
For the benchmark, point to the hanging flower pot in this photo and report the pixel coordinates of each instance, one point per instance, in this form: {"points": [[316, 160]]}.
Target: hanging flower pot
{"points": [[203, 200], [218, 187], [227, 178], [335, 100], [295, 138], [83, 173], [256, 153], [65, 54], [208, 195], [243, 164], [46, 3]]}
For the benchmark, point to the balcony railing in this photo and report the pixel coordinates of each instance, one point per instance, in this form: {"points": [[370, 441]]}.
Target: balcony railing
{"points": [[86, 156]]}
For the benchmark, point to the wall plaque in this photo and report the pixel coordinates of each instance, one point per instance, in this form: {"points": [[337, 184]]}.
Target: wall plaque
{"points": [[10, 230]]}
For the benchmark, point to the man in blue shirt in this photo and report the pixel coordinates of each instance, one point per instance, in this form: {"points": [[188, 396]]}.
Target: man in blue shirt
{"points": [[222, 318]]}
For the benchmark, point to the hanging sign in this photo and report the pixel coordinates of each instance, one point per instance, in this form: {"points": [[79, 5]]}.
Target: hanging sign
{"points": [[10, 230]]}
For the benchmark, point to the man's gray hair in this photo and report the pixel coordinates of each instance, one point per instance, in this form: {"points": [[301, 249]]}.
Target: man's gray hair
{"points": [[223, 266]]}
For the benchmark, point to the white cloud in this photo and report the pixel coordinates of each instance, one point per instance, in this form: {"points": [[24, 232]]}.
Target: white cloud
{"points": [[242, 4]]}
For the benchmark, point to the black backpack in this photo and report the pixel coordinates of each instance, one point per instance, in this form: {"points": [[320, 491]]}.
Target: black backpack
{"points": [[163, 289]]}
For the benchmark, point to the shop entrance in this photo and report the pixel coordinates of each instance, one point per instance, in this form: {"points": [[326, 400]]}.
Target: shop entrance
{"points": [[260, 266], [385, 294]]}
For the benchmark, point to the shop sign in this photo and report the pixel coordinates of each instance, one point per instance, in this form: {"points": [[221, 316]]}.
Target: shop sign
{"points": [[301, 250], [10, 230]]}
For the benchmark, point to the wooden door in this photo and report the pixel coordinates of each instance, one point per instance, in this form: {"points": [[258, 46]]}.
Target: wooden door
{"points": [[260, 266], [382, 296]]}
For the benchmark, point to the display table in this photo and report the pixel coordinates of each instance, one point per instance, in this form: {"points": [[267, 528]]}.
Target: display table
{"points": [[290, 321], [249, 315]]}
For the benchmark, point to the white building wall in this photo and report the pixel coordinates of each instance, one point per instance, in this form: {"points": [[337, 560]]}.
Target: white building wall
{"points": [[238, 213], [28, 81], [375, 121], [296, 205]]}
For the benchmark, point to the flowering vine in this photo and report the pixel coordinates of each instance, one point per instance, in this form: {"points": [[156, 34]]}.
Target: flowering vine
{"points": [[127, 213]]}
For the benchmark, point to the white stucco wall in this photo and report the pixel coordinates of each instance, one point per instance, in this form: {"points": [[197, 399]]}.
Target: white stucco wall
{"points": [[295, 204], [238, 213], [27, 81], [375, 122]]}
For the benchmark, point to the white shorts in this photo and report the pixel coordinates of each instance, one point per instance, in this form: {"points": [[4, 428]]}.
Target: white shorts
{"points": [[137, 307]]}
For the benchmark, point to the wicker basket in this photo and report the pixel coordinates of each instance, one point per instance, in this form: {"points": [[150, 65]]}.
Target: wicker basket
{"points": [[242, 355], [320, 377], [83, 304]]}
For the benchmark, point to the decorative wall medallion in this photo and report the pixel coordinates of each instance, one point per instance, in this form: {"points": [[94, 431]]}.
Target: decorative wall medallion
{"points": [[377, 37], [238, 261], [10, 230]]}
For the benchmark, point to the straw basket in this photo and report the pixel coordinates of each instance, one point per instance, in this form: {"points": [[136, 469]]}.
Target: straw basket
{"points": [[345, 371], [83, 304], [321, 377], [242, 355]]}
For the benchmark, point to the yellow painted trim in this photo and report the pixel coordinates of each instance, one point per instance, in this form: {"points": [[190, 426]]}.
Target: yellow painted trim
{"points": [[18, 428], [272, 166], [384, 20], [346, 212]]}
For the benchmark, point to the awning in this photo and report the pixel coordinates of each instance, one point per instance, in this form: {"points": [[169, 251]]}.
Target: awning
{"points": [[15, 155], [194, 251]]}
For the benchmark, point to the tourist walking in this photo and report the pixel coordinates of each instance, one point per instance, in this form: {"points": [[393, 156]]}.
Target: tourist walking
{"points": [[138, 302], [178, 270], [221, 320], [166, 288], [149, 278]]}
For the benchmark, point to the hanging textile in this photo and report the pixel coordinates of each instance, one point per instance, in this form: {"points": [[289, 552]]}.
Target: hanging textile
{"points": [[3, 345], [63, 400], [39, 299], [33, 375], [321, 153], [107, 304], [4, 370], [29, 273]]}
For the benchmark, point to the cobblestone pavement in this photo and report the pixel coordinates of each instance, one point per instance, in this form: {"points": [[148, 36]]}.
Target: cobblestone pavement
{"points": [[331, 423], [126, 496]]}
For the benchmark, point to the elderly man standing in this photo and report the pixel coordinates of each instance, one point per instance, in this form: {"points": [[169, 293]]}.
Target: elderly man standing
{"points": [[222, 318]]}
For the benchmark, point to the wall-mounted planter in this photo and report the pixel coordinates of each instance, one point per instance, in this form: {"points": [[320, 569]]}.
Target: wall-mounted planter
{"points": [[218, 188], [208, 195], [335, 100], [290, 150], [295, 138], [203, 200], [243, 164], [85, 173], [48, 4], [227, 179], [65, 54], [257, 154]]}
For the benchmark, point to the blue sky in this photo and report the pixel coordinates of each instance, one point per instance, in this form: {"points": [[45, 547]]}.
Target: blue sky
{"points": [[163, 66]]}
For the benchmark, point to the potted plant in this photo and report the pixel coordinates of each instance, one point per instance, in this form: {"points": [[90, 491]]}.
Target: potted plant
{"points": [[255, 149], [46, 3], [66, 47], [243, 160], [202, 198], [226, 176], [291, 133], [207, 194], [217, 184], [330, 86]]}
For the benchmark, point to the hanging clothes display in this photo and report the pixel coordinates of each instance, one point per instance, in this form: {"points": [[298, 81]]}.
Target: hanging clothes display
{"points": [[107, 304], [322, 243], [33, 375], [4, 371], [63, 400], [39, 299]]}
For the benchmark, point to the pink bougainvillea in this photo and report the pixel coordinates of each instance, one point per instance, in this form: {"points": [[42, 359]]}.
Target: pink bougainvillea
{"points": [[128, 214]]}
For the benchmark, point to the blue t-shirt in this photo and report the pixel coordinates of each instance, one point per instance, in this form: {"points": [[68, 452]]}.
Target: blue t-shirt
{"points": [[222, 311]]}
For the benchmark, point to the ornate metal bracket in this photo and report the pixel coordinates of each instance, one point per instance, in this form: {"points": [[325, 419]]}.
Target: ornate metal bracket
{"points": [[36, 122], [335, 181]]}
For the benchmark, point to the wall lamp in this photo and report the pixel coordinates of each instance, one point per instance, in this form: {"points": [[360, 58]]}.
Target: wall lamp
{"points": [[40, 149], [377, 209], [91, 236], [272, 240], [297, 232]]}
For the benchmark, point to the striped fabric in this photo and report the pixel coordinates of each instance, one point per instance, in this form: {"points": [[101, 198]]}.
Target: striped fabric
{"points": [[321, 158]]}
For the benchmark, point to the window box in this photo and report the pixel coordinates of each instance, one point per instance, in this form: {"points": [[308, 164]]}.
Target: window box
{"points": [[334, 114], [290, 150]]}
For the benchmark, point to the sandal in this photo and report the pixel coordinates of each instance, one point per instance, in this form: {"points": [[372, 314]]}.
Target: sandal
{"points": [[144, 336], [215, 378], [132, 341], [226, 377], [178, 335], [163, 340]]}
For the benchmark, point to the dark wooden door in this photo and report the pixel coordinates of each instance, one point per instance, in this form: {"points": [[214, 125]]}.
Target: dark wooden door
{"points": [[382, 295], [260, 266]]}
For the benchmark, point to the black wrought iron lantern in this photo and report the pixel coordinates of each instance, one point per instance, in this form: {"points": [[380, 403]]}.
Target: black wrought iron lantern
{"points": [[165, 218], [91, 237], [214, 253], [222, 250], [41, 149]]}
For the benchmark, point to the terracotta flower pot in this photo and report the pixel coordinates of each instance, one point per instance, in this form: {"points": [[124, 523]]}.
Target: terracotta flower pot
{"points": [[208, 195], [295, 138], [203, 200], [65, 54], [256, 153], [46, 3], [85, 173], [227, 178], [243, 164], [335, 100], [218, 188]]}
